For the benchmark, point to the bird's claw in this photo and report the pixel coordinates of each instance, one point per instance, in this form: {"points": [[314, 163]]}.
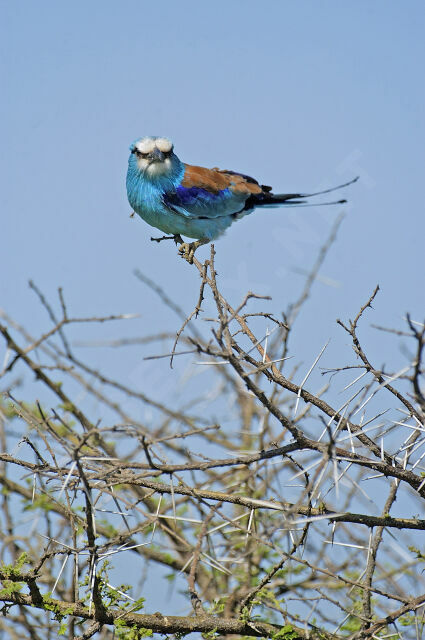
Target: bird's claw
{"points": [[187, 250]]}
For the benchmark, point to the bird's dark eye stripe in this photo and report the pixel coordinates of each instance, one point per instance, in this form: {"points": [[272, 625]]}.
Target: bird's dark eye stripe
{"points": [[139, 154]]}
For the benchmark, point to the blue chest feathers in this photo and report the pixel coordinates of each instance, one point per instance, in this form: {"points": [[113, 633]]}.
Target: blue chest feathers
{"points": [[146, 194]]}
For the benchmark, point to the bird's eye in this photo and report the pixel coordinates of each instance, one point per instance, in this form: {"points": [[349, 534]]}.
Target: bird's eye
{"points": [[139, 154]]}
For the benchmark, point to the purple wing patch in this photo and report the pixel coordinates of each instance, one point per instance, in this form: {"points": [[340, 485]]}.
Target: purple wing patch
{"points": [[189, 196]]}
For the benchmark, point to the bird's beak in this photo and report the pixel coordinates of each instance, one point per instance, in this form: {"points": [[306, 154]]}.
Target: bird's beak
{"points": [[156, 156]]}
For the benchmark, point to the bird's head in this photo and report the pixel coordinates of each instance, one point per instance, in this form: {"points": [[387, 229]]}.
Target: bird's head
{"points": [[154, 157]]}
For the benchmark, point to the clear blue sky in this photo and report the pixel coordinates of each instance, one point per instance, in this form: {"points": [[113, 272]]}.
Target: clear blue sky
{"points": [[299, 94]]}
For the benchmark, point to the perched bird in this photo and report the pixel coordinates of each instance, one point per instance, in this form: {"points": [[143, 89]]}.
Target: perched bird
{"points": [[182, 199]]}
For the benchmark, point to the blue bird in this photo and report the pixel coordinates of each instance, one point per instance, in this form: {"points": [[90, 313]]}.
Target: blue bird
{"points": [[182, 199]]}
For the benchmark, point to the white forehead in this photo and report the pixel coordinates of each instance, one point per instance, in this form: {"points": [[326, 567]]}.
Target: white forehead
{"points": [[145, 145], [163, 144], [148, 144]]}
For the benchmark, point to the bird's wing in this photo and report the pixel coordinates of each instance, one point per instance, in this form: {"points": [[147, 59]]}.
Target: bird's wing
{"points": [[212, 193], [218, 179]]}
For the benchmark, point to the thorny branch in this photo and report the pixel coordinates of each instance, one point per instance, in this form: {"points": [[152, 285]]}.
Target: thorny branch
{"points": [[264, 495]]}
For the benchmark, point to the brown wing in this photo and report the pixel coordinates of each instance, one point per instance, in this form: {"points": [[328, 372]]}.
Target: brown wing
{"points": [[216, 180]]}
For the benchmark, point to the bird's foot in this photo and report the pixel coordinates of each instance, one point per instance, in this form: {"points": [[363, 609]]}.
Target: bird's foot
{"points": [[187, 249]]}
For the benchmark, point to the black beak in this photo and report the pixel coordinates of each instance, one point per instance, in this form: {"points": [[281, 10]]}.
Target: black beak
{"points": [[156, 156]]}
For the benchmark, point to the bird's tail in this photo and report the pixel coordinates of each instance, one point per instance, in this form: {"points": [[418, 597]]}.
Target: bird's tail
{"points": [[299, 199]]}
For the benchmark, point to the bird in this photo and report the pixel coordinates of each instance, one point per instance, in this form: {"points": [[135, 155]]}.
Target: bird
{"points": [[187, 200]]}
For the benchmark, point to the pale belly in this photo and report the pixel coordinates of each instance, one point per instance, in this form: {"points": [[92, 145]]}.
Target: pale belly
{"points": [[174, 223]]}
